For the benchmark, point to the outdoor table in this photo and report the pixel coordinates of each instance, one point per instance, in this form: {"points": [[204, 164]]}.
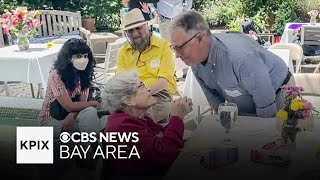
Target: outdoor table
{"points": [[30, 66], [251, 133]]}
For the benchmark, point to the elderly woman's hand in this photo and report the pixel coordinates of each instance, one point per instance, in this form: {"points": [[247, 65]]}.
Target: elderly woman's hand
{"points": [[95, 104], [181, 107]]}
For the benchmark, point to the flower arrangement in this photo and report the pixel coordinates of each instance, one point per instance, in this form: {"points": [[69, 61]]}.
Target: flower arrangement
{"points": [[294, 110], [20, 22], [313, 16], [313, 13]]}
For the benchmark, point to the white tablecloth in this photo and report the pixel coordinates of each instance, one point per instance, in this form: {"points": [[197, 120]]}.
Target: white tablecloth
{"points": [[31, 66], [252, 133], [193, 90], [289, 35]]}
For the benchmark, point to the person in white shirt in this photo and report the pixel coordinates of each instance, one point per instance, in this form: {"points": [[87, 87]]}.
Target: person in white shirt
{"points": [[166, 10]]}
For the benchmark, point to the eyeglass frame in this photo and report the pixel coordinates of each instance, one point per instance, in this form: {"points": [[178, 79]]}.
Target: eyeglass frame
{"points": [[180, 48], [138, 28]]}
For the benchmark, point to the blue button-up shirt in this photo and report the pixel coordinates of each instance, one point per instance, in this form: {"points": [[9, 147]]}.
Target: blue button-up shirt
{"points": [[240, 70], [171, 8]]}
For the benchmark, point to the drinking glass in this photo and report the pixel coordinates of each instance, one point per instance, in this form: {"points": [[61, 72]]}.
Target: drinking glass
{"points": [[228, 118]]}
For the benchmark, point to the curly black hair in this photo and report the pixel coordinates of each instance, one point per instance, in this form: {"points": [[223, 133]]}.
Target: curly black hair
{"points": [[69, 74]]}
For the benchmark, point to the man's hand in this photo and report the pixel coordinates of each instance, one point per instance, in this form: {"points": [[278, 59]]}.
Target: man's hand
{"points": [[144, 7], [181, 107]]}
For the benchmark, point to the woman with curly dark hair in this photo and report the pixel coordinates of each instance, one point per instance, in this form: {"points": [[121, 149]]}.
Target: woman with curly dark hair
{"points": [[65, 106]]}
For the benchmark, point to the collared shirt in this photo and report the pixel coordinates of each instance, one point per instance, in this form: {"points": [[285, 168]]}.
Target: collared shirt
{"points": [[155, 62], [239, 70], [55, 89], [171, 8]]}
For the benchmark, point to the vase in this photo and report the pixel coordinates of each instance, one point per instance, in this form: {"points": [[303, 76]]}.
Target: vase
{"points": [[290, 128], [289, 132], [313, 20], [23, 41]]}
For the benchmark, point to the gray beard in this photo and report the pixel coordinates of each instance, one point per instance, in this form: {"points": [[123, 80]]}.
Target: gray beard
{"points": [[141, 46]]}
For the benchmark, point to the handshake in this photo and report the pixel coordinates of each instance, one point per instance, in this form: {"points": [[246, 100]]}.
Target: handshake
{"points": [[181, 107]]}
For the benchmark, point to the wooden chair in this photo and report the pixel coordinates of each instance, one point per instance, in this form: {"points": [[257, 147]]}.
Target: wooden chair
{"points": [[310, 35], [108, 68], [269, 36], [60, 23]]}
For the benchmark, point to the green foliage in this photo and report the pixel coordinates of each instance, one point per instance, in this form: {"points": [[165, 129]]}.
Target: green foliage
{"points": [[35, 5], [235, 25], [231, 10], [261, 19], [108, 14], [285, 13], [211, 12], [7, 4], [199, 4], [88, 9], [267, 14]]}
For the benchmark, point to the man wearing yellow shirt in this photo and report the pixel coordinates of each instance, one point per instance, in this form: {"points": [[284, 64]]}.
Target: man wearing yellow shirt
{"points": [[153, 58]]}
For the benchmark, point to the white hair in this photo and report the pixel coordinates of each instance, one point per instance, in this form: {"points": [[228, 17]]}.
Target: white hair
{"points": [[118, 88]]}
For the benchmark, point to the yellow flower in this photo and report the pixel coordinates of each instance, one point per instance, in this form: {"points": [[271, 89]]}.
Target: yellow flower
{"points": [[295, 100], [296, 105], [38, 12], [49, 44], [282, 114], [5, 10]]}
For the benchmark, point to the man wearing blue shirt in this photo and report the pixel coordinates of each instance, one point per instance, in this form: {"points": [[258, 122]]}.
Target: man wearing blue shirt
{"points": [[230, 66], [168, 9]]}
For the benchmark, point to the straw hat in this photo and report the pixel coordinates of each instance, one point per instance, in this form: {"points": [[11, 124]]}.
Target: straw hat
{"points": [[134, 18]]}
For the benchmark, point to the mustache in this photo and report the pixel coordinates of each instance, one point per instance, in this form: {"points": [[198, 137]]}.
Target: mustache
{"points": [[140, 43]]}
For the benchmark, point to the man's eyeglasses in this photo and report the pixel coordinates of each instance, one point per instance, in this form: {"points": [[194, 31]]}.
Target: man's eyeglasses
{"points": [[179, 49], [136, 28]]}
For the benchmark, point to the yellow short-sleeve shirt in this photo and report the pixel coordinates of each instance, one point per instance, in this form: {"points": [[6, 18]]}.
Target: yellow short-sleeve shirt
{"points": [[155, 62]]}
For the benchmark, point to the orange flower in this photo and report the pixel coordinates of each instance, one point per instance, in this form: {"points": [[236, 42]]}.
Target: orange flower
{"points": [[23, 13]]}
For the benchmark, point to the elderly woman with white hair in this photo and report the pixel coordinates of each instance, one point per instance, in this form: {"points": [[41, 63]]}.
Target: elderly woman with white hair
{"points": [[128, 99]]}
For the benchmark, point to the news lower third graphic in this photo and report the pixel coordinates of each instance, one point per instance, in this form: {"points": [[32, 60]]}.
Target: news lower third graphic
{"points": [[36, 145]]}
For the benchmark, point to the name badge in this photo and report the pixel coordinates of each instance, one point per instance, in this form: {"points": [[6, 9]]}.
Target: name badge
{"points": [[234, 93], [155, 63]]}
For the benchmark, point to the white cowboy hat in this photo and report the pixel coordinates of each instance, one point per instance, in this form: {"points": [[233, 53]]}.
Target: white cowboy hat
{"points": [[134, 18]]}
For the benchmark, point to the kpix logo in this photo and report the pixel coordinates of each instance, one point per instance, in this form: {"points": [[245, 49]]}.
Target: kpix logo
{"points": [[34, 145]]}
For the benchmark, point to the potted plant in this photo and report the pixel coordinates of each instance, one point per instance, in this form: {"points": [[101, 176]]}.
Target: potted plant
{"points": [[88, 15], [284, 14]]}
